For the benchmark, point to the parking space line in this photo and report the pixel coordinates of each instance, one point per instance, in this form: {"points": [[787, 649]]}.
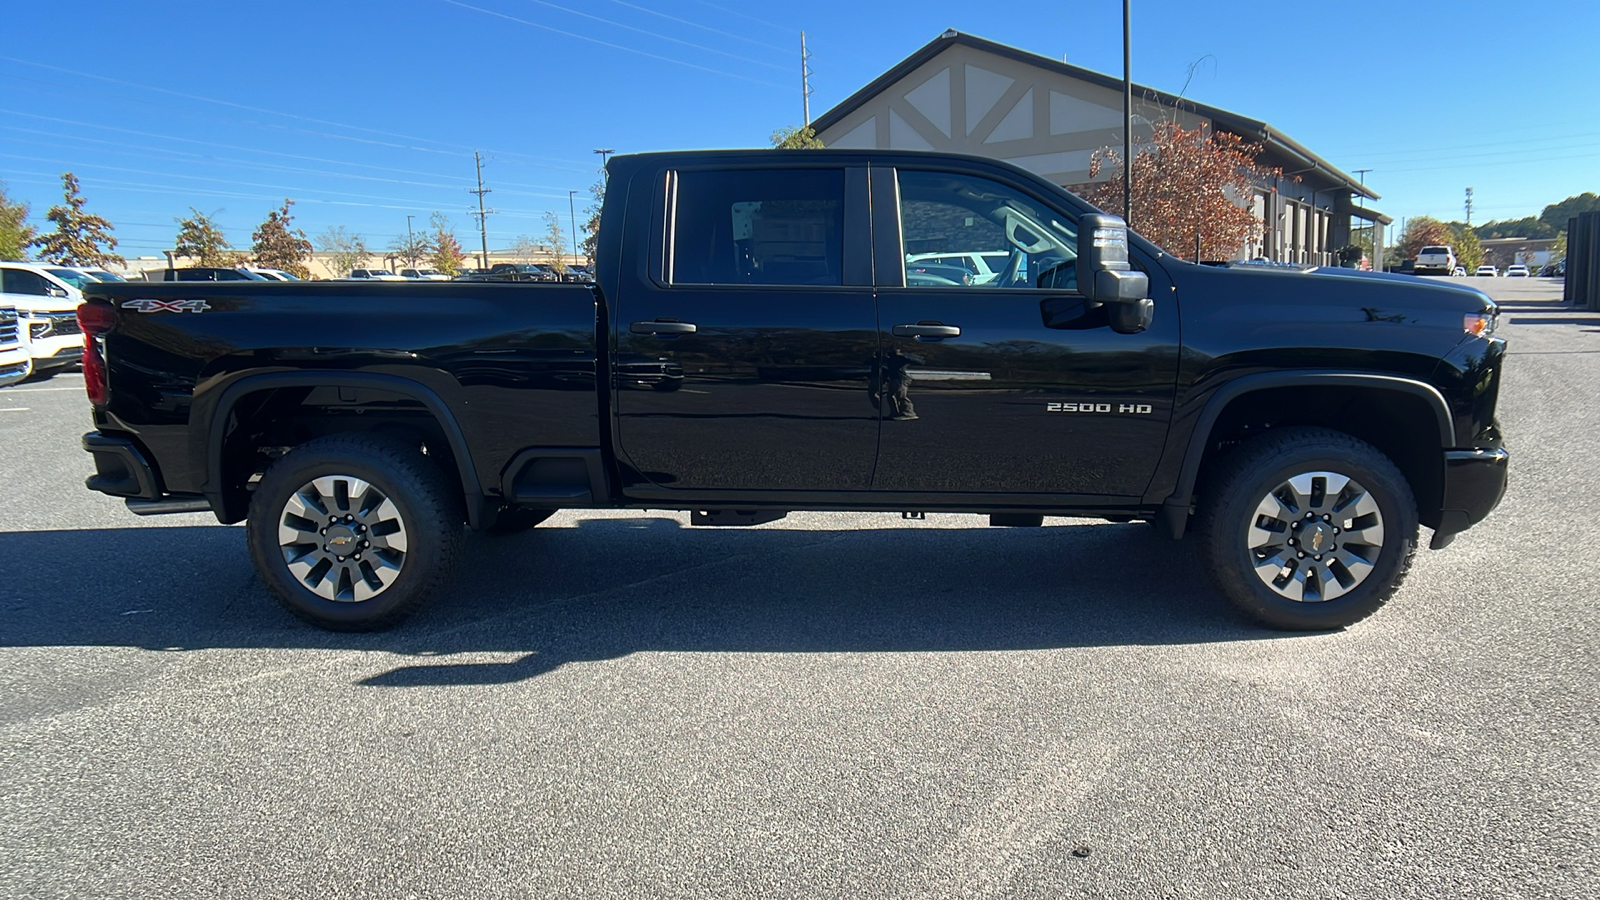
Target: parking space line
{"points": [[13, 409], [42, 390]]}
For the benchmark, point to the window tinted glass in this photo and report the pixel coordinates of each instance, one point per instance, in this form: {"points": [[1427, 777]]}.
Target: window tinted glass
{"points": [[783, 226], [72, 277], [955, 224], [21, 281]]}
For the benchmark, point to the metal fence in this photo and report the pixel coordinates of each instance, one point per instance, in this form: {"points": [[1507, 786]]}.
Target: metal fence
{"points": [[1583, 261]]}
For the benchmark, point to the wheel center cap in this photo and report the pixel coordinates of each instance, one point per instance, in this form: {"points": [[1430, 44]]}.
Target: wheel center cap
{"points": [[1316, 539], [342, 539]]}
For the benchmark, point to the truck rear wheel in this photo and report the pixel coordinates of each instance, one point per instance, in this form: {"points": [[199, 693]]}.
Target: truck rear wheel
{"points": [[1308, 529], [354, 532]]}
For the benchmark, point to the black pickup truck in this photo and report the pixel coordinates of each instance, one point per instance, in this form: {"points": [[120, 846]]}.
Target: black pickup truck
{"points": [[758, 343]]}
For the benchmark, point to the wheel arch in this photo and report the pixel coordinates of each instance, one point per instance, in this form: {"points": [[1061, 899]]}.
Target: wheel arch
{"points": [[231, 505], [1408, 420]]}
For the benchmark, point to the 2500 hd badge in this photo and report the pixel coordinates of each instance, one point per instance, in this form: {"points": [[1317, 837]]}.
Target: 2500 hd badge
{"points": [[1069, 406]]}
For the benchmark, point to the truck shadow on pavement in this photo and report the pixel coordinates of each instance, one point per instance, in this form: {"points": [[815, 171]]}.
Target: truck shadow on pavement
{"points": [[612, 587]]}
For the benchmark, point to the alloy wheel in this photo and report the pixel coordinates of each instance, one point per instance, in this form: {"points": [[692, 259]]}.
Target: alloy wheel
{"points": [[1315, 537], [342, 538]]}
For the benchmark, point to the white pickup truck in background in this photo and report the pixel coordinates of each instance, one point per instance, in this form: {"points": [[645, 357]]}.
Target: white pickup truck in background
{"points": [[1435, 260]]}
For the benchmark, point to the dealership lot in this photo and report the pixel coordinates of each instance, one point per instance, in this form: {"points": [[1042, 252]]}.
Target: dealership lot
{"points": [[616, 704]]}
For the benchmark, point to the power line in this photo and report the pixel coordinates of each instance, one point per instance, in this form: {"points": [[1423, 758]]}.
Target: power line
{"points": [[717, 31], [594, 40], [656, 34], [734, 12]]}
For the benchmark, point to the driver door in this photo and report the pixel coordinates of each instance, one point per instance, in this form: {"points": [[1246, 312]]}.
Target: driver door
{"points": [[1006, 386]]}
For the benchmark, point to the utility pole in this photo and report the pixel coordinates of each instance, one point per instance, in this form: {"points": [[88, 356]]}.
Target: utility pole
{"points": [[572, 211], [603, 154], [482, 214], [1469, 207], [805, 83], [1362, 174], [1127, 112], [410, 241]]}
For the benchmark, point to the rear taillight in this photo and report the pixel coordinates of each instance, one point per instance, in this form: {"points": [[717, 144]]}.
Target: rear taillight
{"points": [[95, 319]]}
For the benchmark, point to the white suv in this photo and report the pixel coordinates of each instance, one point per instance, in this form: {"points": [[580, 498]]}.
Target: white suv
{"points": [[15, 363], [46, 298], [985, 265]]}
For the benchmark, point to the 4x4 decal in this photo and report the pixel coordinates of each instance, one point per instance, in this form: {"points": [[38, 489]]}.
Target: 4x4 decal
{"points": [[177, 306]]}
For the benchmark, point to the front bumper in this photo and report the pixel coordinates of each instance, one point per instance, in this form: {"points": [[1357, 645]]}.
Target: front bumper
{"points": [[1474, 483]]}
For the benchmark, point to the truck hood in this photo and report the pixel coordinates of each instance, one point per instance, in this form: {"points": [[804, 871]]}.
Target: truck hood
{"points": [[1327, 285]]}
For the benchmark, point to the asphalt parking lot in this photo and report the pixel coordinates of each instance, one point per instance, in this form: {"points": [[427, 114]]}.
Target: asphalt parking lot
{"points": [[619, 705]]}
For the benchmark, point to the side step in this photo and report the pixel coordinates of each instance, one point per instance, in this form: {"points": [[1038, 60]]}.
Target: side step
{"points": [[735, 517], [1016, 520]]}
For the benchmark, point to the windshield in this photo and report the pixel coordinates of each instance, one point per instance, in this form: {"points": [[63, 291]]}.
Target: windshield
{"points": [[73, 277], [103, 275]]}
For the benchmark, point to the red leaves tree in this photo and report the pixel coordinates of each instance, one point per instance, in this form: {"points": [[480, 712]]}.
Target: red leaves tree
{"points": [[1424, 231], [1188, 185]]}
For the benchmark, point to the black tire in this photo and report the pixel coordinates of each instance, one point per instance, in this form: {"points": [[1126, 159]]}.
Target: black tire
{"points": [[1245, 478], [515, 519], [427, 504]]}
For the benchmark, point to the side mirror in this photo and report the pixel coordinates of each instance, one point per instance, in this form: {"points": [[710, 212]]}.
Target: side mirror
{"points": [[1105, 275], [54, 291]]}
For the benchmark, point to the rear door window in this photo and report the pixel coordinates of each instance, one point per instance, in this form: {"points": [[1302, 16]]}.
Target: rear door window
{"points": [[759, 227]]}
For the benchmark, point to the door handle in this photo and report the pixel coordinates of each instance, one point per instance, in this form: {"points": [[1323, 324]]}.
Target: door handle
{"points": [[927, 330], [661, 326]]}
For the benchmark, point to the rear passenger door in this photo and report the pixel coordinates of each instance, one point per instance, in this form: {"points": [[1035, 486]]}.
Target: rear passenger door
{"points": [[743, 355]]}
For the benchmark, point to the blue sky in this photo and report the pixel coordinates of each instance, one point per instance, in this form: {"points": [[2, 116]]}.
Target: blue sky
{"points": [[366, 112]]}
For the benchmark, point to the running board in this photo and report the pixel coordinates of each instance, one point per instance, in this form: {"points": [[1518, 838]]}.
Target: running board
{"points": [[177, 503], [735, 517]]}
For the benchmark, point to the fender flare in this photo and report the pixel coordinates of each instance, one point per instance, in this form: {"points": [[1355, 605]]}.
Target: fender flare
{"points": [[1175, 509], [471, 488]]}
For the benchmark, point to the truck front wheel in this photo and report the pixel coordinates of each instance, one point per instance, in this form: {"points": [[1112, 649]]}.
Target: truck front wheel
{"points": [[354, 532], [1308, 529]]}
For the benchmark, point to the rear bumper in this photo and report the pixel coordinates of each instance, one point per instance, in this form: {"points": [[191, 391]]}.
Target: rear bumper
{"points": [[120, 468], [1474, 483]]}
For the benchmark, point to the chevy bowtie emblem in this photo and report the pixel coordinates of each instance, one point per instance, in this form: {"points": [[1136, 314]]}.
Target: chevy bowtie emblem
{"points": [[177, 306], [1316, 543]]}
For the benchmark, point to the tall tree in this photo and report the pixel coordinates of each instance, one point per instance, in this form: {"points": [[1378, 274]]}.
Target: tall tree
{"points": [[1556, 214], [80, 238], [796, 139], [556, 237], [201, 241], [1184, 185], [345, 251], [447, 255], [15, 232], [1424, 231], [280, 245], [411, 248], [1469, 251], [591, 223], [523, 248]]}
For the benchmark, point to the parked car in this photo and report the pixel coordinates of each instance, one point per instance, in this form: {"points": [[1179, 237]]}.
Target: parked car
{"points": [[424, 275], [15, 361], [99, 274], [985, 266], [1487, 272], [925, 273], [1517, 271], [1435, 259], [1302, 460], [203, 273], [372, 275], [1459, 272], [523, 272], [1557, 269], [46, 299], [272, 274], [579, 273]]}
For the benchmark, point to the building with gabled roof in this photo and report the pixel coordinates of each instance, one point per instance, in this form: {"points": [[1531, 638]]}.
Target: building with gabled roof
{"points": [[964, 94]]}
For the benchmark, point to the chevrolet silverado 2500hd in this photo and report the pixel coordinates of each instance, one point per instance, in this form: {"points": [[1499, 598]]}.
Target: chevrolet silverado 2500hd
{"points": [[755, 344]]}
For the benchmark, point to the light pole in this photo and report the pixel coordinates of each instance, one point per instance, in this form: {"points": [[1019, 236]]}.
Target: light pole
{"points": [[1127, 114], [572, 211], [410, 241], [603, 154]]}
